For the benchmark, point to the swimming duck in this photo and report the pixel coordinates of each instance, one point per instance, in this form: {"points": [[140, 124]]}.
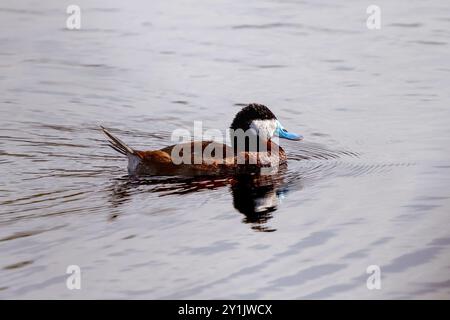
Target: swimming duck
{"points": [[252, 149]]}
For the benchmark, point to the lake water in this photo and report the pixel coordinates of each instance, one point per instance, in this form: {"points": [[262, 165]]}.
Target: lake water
{"points": [[369, 185]]}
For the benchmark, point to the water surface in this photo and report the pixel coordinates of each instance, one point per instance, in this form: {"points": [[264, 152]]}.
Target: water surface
{"points": [[368, 186]]}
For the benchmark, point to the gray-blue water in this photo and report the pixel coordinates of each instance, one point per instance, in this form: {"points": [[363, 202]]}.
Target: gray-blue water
{"points": [[369, 185]]}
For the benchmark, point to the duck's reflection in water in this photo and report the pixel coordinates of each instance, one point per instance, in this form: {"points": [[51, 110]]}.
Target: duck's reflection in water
{"points": [[257, 197], [254, 195]]}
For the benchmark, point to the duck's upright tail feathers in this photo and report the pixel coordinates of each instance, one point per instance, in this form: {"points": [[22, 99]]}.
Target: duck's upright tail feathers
{"points": [[117, 144]]}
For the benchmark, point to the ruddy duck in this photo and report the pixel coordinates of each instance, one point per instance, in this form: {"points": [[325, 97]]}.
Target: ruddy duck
{"points": [[251, 149]]}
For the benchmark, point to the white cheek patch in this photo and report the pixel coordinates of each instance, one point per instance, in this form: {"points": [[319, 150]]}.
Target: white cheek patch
{"points": [[264, 128]]}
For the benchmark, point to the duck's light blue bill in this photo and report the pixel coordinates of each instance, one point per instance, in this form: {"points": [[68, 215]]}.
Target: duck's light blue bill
{"points": [[283, 133]]}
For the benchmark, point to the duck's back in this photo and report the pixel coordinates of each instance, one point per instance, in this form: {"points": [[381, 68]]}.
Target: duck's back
{"points": [[187, 159], [203, 158]]}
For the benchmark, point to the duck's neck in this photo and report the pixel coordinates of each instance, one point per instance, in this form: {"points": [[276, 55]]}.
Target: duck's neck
{"points": [[257, 145]]}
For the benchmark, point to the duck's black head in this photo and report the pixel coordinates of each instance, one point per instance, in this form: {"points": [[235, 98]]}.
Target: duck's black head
{"points": [[257, 119], [253, 112]]}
